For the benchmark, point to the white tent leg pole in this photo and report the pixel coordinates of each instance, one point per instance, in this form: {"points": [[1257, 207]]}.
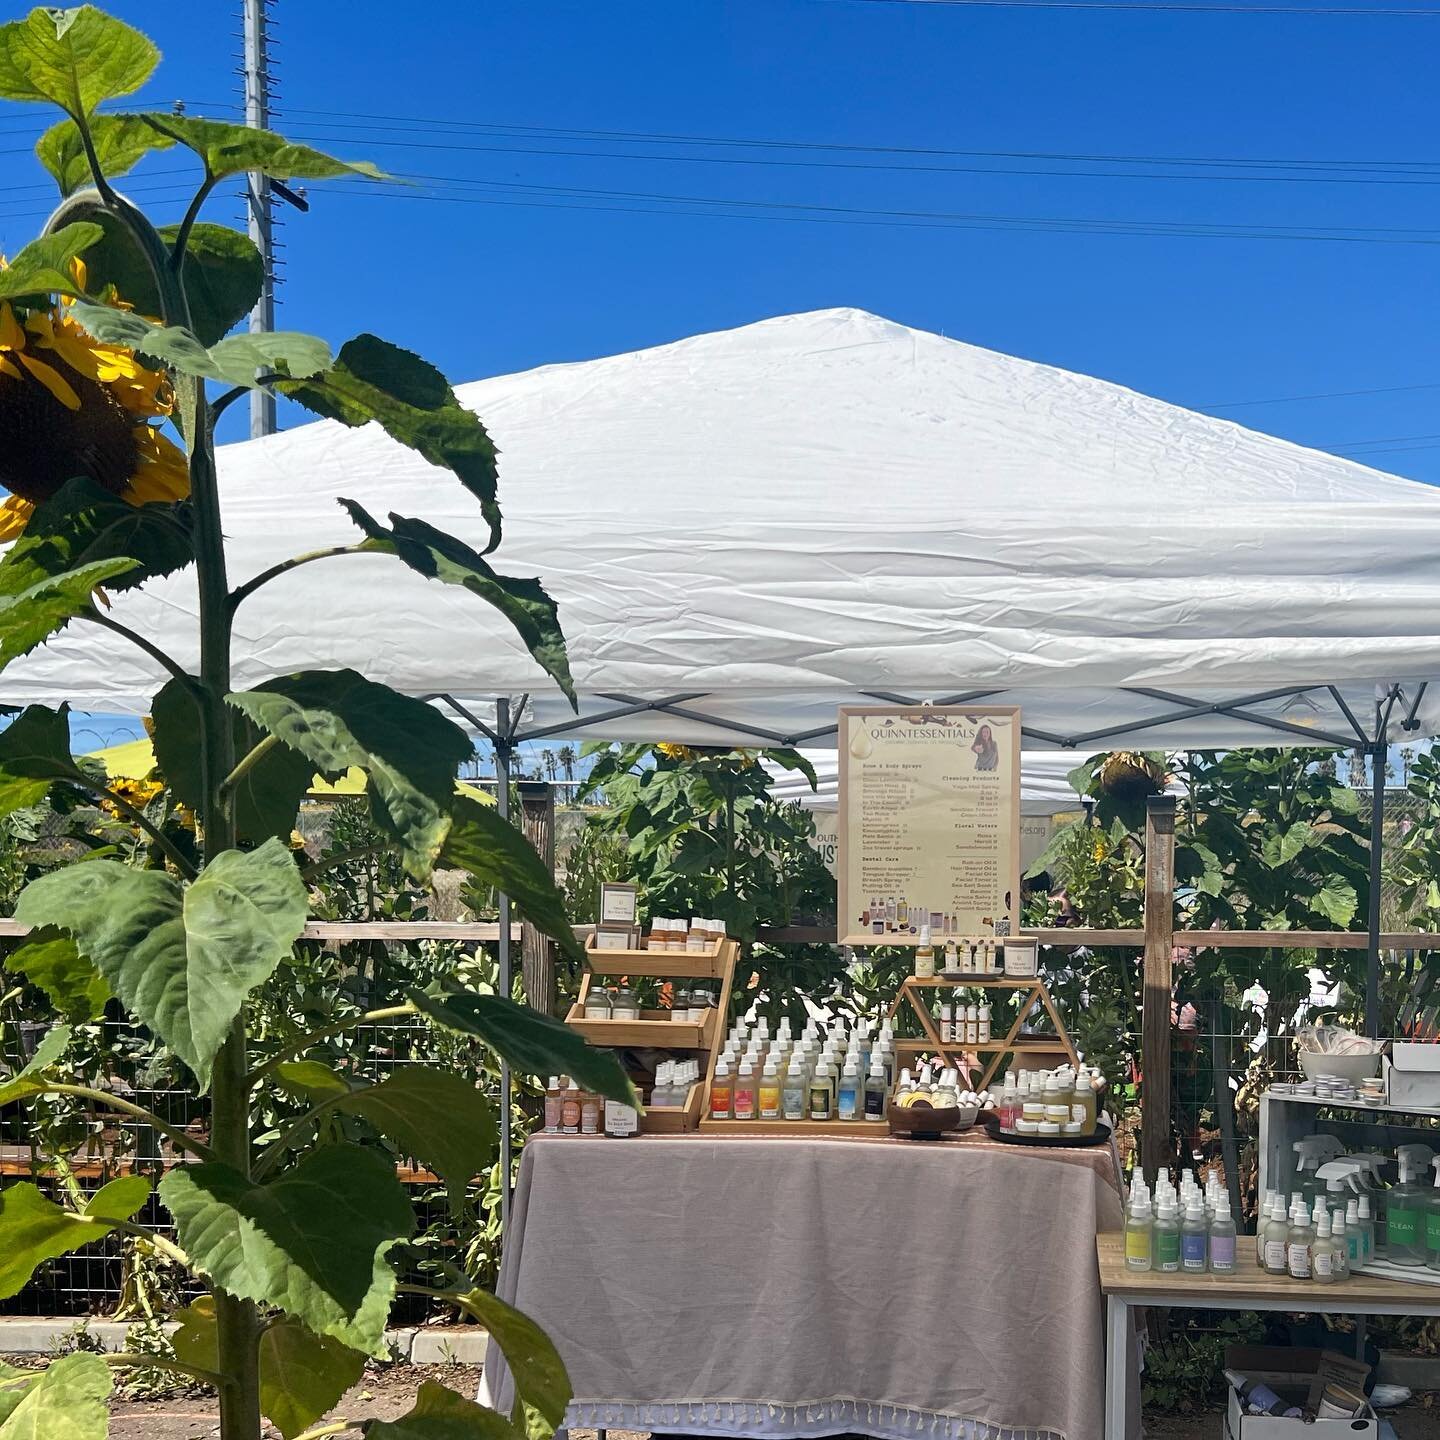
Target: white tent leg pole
{"points": [[503, 985], [1378, 755]]}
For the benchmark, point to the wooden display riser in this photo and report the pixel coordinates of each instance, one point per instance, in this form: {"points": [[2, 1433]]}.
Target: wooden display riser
{"points": [[659, 964]]}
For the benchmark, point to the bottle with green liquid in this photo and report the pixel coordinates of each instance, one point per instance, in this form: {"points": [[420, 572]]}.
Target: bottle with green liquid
{"points": [[1432, 1222], [1167, 1238]]}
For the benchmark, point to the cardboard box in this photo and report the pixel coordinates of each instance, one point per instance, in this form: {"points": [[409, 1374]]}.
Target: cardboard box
{"points": [[1299, 1376], [1412, 1074]]}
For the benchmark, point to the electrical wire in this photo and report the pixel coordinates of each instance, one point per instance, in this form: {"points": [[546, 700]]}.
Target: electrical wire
{"points": [[1227, 7], [1323, 395]]}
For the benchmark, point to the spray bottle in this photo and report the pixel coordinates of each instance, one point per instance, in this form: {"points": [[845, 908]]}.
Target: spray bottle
{"points": [[1322, 1251], [1194, 1238], [1379, 1190], [1139, 1238], [1314, 1151], [849, 1102], [1277, 1239], [792, 1093], [1367, 1231], [1298, 1242], [1222, 1238], [1166, 1230], [875, 1091], [1341, 1240], [1407, 1207], [1432, 1222]]}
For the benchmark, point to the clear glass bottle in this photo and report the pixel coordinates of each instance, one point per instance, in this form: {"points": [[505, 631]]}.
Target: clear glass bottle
{"points": [[1194, 1238], [1277, 1239], [769, 1101], [1166, 1230], [792, 1093], [721, 1092], [1340, 1239], [1354, 1234], [744, 1092], [1322, 1250], [597, 1003], [876, 1092], [822, 1097], [1298, 1242], [553, 1104], [1406, 1207], [849, 1098], [623, 1004], [1432, 1221], [1367, 1231]]}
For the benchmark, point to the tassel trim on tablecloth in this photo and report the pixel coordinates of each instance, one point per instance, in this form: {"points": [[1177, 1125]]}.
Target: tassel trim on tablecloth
{"points": [[791, 1422]]}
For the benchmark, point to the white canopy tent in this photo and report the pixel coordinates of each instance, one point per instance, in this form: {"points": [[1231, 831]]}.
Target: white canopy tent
{"points": [[746, 529]]}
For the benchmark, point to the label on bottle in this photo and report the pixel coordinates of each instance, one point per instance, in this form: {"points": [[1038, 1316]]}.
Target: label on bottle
{"points": [[1298, 1259], [1222, 1254], [1432, 1230], [819, 1102], [793, 1103], [769, 1102], [846, 1106], [1167, 1251], [719, 1102], [1323, 1261], [874, 1104], [553, 1107], [621, 1119], [1137, 1245], [1403, 1227], [589, 1117], [1078, 1113], [1192, 1252], [1352, 1244], [570, 1117], [1275, 1258], [744, 1103]]}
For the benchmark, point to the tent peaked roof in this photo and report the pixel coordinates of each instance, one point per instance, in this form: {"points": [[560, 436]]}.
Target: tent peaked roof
{"points": [[745, 529]]}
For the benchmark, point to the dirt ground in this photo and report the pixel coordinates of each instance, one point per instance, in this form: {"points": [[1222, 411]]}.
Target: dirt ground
{"points": [[389, 1391]]}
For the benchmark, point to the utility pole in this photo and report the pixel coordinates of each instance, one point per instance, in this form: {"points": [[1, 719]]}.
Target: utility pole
{"points": [[259, 196]]}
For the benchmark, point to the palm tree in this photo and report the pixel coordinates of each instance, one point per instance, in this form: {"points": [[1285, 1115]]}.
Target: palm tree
{"points": [[567, 757], [547, 759]]}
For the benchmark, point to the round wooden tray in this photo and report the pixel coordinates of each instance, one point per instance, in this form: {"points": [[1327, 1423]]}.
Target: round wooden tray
{"points": [[925, 1122], [1046, 1142]]}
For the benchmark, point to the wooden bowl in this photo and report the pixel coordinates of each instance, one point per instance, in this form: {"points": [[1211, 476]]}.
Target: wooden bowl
{"points": [[925, 1122]]}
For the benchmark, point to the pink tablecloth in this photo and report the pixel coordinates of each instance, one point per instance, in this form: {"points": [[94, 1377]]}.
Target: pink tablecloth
{"points": [[803, 1287]]}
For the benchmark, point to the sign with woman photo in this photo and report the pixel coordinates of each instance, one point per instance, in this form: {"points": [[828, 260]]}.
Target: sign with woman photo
{"points": [[929, 823]]}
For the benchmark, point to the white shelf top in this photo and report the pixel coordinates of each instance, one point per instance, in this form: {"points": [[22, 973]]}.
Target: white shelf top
{"points": [[1356, 1104]]}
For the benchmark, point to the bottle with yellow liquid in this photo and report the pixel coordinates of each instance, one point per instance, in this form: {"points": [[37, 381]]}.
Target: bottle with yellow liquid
{"points": [[924, 956], [1139, 1233]]}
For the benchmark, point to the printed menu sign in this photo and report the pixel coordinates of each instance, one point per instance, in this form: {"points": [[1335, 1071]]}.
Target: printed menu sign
{"points": [[929, 822]]}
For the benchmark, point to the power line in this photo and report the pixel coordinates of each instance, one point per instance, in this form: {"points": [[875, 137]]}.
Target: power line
{"points": [[1323, 395], [1177, 6]]}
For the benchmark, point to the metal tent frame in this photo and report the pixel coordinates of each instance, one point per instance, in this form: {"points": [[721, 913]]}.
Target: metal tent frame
{"points": [[507, 733]]}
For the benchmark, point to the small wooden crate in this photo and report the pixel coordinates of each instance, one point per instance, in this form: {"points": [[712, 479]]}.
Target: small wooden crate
{"points": [[708, 964], [654, 1030], [675, 1119]]}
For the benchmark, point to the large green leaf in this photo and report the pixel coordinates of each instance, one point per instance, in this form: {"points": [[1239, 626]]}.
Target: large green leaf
{"points": [[34, 754], [121, 142], [535, 1365], [231, 149], [310, 1080], [182, 959], [82, 523], [312, 1243], [223, 273], [66, 1402], [43, 266], [375, 380], [27, 1081], [267, 797], [34, 1229], [1337, 901], [439, 1118], [498, 855], [302, 1375], [35, 604], [73, 58], [51, 960], [13, 1385], [438, 556], [529, 1041], [441, 1414], [409, 751], [234, 361]]}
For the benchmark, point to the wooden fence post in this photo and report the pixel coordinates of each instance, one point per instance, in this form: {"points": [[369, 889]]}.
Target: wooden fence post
{"points": [[537, 959], [1155, 1009]]}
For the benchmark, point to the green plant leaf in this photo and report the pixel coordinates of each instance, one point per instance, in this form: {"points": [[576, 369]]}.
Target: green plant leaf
{"points": [[310, 1080], [413, 402], [27, 1080], [121, 142], [441, 1119], [50, 960], [1343, 800], [223, 273], [531, 1042], [302, 1375], [43, 266], [438, 556], [34, 604], [182, 959], [267, 797], [73, 58], [535, 1365], [34, 754], [13, 1385], [67, 1401], [1336, 901], [34, 1229], [409, 751], [497, 854], [312, 1242], [82, 523], [232, 149], [234, 360], [790, 759], [120, 1199], [441, 1414]]}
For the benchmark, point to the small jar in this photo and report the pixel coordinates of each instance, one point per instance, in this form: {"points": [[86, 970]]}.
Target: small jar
{"points": [[622, 1122], [1026, 1127], [1047, 1128], [624, 1005], [697, 941], [656, 939], [679, 1004], [675, 942], [597, 1004]]}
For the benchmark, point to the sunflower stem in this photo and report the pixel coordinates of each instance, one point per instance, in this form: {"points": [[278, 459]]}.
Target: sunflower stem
{"points": [[243, 767], [138, 817], [192, 214], [301, 1043], [119, 1106], [243, 592]]}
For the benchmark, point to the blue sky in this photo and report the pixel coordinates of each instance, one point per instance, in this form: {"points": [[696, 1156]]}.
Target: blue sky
{"points": [[483, 288]]}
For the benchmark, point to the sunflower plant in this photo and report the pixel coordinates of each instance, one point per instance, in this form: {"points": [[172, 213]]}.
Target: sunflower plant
{"points": [[116, 361]]}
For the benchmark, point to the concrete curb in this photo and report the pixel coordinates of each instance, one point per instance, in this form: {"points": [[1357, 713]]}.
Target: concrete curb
{"points": [[432, 1345]]}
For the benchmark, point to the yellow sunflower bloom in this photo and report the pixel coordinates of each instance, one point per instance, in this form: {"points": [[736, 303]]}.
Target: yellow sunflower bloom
{"points": [[71, 406]]}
